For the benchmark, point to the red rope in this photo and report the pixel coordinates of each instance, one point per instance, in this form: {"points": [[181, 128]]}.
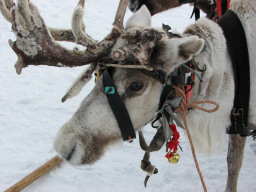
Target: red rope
{"points": [[173, 144]]}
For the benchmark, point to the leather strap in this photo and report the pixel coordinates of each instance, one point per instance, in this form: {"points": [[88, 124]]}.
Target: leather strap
{"points": [[118, 108], [238, 51], [224, 6]]}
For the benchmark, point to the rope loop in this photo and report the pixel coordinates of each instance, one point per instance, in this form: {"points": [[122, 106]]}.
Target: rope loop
{"points": [[183, 107]]}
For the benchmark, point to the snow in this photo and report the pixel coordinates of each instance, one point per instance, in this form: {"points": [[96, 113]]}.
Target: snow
{"points": [[31, 114]]}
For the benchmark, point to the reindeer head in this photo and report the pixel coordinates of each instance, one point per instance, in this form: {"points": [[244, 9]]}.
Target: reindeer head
{"points": [[157, 6], [154, 6], [135, 53]]}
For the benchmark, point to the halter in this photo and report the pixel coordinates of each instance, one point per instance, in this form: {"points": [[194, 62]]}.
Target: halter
{"points": [[117, 105], [217, 8], [168, 103]]}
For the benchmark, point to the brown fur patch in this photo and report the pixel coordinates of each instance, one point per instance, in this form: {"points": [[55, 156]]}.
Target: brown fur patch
{"points": [[127, 77], [183, 52], [95, 149], [189, 49], [190, 31]]}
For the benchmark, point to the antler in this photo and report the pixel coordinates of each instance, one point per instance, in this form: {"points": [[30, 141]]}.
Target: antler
{"points": [[5, 6], [36, 43], [119, 18], [78, 26], [58, 34]]}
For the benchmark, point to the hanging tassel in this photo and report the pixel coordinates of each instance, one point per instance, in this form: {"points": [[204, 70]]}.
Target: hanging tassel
{"points": [[172, 146]]}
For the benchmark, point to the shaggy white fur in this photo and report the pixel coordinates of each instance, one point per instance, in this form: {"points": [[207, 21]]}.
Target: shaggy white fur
{"points": [[208, 130]]}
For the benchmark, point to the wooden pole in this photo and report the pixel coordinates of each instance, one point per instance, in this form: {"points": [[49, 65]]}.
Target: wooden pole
{"points": [[26, 181]]}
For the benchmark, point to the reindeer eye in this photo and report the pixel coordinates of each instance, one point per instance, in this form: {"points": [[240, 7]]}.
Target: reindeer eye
{"points": [[136, 86]]}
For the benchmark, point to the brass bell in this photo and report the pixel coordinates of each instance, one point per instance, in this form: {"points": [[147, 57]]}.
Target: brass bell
{"points": [[174, 157]]}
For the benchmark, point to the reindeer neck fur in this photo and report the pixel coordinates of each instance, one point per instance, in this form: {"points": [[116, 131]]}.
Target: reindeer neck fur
{"points": [[218, 79], [208, 130]]}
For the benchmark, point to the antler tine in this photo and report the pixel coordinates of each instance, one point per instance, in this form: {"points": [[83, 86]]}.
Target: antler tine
{"points": [[58, 34], [78, 26], [5, 6], [81, 3], [9, 3], [119, 18], [62, 34]]}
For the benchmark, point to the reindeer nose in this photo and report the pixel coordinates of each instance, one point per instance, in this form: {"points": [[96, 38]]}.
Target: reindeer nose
{"points": [[69, 156], [134, 5]]}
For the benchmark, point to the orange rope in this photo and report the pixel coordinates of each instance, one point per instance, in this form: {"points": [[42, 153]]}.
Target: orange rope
{"points": [[183, 107]]}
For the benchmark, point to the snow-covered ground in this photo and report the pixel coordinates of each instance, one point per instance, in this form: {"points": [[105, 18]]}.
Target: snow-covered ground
{"points": [[31, 114]]}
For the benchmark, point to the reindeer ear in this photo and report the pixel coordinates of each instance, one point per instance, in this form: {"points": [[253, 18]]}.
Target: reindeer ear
{"points": [[177, 51], [191, 47], [142, 18]]}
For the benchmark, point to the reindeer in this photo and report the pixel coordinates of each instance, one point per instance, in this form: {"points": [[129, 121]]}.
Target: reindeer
{"points": [[136, 56], [157, 6]]}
